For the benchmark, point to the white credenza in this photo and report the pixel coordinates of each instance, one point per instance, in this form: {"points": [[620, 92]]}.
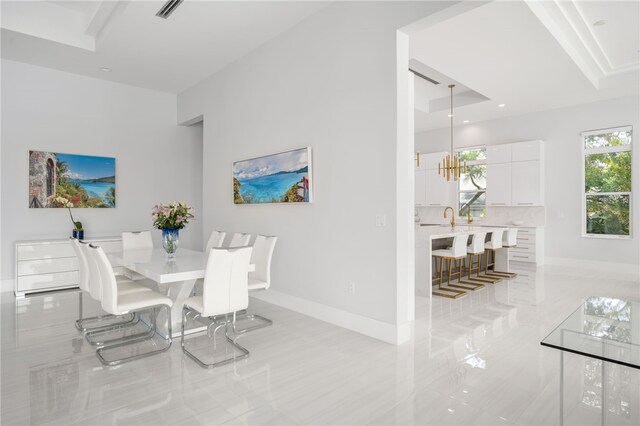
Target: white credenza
{"points": [[530, 246], [47, 265]]}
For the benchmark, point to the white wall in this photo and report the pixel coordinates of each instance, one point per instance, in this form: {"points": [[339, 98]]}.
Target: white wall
{"points": [[156, 160], [560, 129], [330, 83]]}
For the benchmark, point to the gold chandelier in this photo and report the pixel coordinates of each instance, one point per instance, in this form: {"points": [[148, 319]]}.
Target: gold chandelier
{"points": [[451, 164]]}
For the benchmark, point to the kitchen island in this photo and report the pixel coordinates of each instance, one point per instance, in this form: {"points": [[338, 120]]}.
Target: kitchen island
{"points": [[426, 237]]}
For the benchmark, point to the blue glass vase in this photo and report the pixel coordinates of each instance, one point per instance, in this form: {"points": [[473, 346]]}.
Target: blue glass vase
{"points": [[170, 237]]}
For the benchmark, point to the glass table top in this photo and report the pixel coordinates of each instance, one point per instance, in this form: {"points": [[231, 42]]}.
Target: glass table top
{"points": [[602, 328]]}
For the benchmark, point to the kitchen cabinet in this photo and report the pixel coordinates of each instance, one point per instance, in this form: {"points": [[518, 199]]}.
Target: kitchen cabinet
{"points": [[527, 186], [498, 184], [439, 192], [499, 154], [527, 151], [529, 247]]}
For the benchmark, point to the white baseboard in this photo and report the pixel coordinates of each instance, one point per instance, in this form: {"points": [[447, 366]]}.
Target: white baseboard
{"points": [[626, 270], [389, 333], [6, 285]]}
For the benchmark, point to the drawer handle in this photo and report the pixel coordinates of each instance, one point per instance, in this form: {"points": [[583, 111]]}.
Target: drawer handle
{"points": [[434, 204], [498, 204], [523, 257], [525, 204]]}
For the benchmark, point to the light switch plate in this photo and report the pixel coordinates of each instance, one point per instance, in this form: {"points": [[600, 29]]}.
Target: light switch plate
{"points": [[381, 220]]}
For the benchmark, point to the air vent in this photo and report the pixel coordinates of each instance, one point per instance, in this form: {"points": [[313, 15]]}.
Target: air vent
{"points": [[168, 8], [424, 77]]}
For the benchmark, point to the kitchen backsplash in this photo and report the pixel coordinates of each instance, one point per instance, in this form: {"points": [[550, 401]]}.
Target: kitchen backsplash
{"points": [[529, 216]]}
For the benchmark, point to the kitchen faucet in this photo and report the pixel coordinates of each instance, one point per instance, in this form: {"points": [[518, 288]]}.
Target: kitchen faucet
{"points": [[453, 216]]}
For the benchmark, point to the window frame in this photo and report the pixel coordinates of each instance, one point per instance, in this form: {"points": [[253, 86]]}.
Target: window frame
{"points": [[471, 163], [605, 150]]}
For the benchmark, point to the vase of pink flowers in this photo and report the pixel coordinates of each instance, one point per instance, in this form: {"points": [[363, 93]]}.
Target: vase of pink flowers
{"points": [[170, 219]]}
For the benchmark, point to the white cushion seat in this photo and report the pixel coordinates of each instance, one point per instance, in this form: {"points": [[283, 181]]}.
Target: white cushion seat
{"points": [[256, 284], [127, 286], [442, 253]]}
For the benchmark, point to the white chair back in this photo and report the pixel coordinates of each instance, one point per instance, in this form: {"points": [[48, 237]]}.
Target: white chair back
{"points": [[83, 265], [137, 240], [240, 240], [215, 240], [477, 243], [225, 286], [95, 283], [496, 240], [459, 247], [510, 238], [261, 258], [109, 300]]}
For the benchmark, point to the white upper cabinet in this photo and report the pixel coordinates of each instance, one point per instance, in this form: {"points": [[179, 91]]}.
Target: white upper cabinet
{"points": [[498, 154], [439, 192], [527, 184], [432, 159], [498, 184], [526, 151]]}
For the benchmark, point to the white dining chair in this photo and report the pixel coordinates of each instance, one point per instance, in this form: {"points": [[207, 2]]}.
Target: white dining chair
{"points": [[225, 292], [240, 240], [138, 240], [260, 279], [124, 285], [117, 303], [84, 282], [216, 240]]}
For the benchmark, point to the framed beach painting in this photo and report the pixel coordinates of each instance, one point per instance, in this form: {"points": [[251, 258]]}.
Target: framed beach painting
{"points": [[284, 177], [58, 179]]}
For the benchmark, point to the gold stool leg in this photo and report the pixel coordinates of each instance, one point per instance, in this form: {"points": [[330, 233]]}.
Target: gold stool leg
{"points": [[447, 292]]}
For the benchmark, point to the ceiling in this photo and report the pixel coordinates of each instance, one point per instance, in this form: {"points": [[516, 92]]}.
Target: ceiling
{"points": [[528, 55], [140, 49]]}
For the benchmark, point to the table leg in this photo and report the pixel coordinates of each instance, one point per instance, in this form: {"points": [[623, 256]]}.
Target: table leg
{"points": [[604, 393], [178, 293], [561, 388]]}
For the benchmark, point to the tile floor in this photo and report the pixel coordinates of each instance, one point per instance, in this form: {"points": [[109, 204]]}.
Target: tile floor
{"points": [[476, 360]]}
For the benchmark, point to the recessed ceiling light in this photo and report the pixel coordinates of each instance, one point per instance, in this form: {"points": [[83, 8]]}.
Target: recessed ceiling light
{"points": [[105, 69], [502, 105], [599, 23], [465, 121]]}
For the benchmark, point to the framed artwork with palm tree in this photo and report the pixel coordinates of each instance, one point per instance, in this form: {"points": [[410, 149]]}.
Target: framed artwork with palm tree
{"points": [[82, 180]]}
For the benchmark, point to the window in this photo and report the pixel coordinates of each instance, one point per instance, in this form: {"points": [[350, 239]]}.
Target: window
{"points": [[606, 202], [473, 184]]}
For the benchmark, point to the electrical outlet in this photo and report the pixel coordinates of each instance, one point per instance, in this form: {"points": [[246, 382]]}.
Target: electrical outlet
{"points": [[351, 287]]}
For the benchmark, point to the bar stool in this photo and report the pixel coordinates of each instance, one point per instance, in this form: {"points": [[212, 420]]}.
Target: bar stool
{"points": [[490, 248], [457, 252], [476, 248], [509, 240]]}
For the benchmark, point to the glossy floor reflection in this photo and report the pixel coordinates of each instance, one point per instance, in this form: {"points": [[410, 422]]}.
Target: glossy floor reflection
{"points": [[475, 360]]}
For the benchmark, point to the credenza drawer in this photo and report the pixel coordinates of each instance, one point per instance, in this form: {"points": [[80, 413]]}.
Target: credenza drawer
{"points": [[45, 251], [47, 266], [42, 282]]}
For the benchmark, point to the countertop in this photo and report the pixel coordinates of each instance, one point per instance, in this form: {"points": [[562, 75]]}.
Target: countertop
{"points": [[445, 231]]}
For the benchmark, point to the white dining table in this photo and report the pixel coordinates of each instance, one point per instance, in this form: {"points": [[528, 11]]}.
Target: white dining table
{"points": [[175, 277]]}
